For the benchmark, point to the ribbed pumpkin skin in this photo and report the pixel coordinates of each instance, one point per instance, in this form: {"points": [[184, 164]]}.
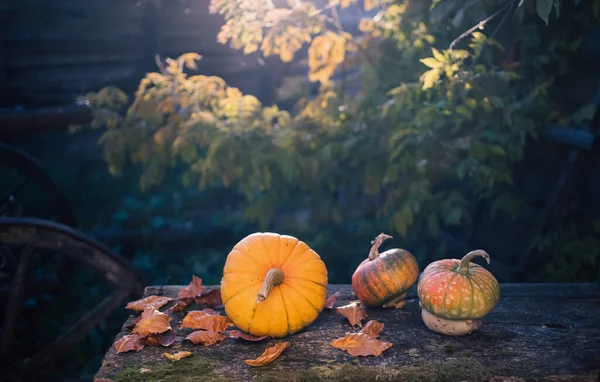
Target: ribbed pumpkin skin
{"points": [[379, 281], [291, 305], [449, 294]]}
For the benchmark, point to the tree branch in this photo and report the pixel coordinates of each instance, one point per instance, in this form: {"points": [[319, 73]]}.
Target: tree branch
{"points": [[482, 23], [503, 20]]}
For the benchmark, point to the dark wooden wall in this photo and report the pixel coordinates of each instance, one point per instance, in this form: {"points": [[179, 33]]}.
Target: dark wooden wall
{"points": [[52, 51]]}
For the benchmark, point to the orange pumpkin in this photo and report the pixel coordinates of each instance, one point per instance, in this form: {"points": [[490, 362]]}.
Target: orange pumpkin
{"points": [[383, 280], [273, 285], [455, 295]]}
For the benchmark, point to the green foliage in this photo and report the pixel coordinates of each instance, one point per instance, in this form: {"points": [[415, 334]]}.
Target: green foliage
{"points": [[568, 256], [544, 7], [431, 131]]}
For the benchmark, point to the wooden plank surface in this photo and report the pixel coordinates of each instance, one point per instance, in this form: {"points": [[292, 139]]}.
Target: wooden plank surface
{"points": [[537, 332]]}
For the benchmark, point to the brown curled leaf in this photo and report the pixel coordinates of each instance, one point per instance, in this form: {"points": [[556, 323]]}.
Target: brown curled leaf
{"points": [[152, 321], [128, 343], [269, 355], [353, 312], [134, 323], [162, 339], [245, 336], [197, 319], [360, 344], [193, 290], [205, 337], [373, 328], [211, 297], [181, 304], [330, 302], [210, 311], [154, 301]]}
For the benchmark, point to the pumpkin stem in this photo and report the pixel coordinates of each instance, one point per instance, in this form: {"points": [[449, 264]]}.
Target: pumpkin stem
{"points": [[464, 263], [374, 252], [274, 277]]}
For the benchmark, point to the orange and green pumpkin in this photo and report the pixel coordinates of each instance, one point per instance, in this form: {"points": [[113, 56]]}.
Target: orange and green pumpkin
{"points": [[455, 295], [273, 285], [383, 280]]}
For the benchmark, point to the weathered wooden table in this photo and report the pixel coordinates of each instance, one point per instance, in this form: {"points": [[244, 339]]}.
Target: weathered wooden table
{"points": [[538, 332]]}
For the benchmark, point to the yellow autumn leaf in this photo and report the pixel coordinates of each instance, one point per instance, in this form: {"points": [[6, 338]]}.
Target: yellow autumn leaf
{"points": [[370, 4], [241, 35], [431, 62], [177, 356], [437, 55], [366, 25], [189, 59], [166, 106], [430, 77], [345, 3], [285, 42], [326, 52]]}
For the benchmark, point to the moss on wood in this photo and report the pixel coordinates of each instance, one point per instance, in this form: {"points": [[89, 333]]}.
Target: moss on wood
{"points": [[510, 344], [190, 369], [424, 371]]}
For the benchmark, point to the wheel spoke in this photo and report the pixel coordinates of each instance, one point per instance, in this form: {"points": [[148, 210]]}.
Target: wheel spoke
{"points": [[75, 333], [6, 198], [48, 238], [14, 302]]}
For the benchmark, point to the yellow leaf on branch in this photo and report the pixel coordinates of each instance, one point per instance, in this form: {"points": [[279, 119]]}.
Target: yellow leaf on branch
{"points": [[326, 52]]}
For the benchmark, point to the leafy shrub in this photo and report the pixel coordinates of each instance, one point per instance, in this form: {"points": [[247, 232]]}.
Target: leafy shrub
{"points": [[403, 133]]}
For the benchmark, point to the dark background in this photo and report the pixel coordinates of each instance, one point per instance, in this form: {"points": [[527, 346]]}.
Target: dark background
{"points": [[53, 52]]}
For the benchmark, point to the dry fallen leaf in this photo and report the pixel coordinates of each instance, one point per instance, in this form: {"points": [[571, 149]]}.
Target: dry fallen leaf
{"points": [[211, 297], [143, 370], [269, 355], [353, 312], [205, 337], [372, 328], [163, 339], [177, 356], [182, 304], [197, 319], [330, 302], [360, 344], [153, 301], [192, 290], [128, 343], [152, 322], [134, 323], [210, 311], [245, 336]]}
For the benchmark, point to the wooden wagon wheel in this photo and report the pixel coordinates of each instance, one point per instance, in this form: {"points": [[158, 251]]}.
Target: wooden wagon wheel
{"points": [[21, 173], [31, 234], [29, 171]]}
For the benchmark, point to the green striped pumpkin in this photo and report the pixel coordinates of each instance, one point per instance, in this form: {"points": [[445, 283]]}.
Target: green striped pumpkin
{"points": [[383, 280], [458, 289]]}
